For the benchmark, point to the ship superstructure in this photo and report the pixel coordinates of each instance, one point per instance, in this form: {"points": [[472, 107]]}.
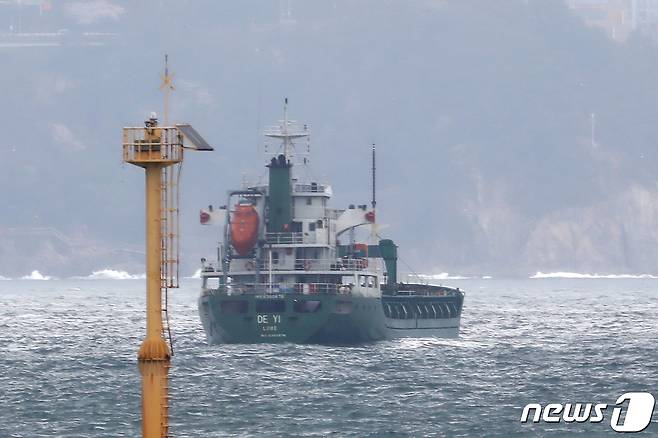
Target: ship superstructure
{"points": [[289, 267]]}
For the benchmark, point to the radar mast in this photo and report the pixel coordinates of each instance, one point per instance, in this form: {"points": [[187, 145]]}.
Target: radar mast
{"points": [[287, 131]]}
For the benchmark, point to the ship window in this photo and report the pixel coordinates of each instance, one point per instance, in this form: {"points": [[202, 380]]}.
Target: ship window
{"points": [[275, 257], [270, 306], [371, 281], [306, 306], [309, 201], [234, 307], [311, 226], [362, 280]]}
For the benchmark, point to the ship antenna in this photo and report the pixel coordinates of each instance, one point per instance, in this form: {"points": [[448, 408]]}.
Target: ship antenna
{"points": [[286, 140], [374, 173]]}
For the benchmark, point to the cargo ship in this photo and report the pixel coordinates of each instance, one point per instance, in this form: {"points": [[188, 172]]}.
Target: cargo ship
{"points": [[290, 268]]}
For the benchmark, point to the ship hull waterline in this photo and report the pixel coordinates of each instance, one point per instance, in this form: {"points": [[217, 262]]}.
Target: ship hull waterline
{"points": [[313, 319]]}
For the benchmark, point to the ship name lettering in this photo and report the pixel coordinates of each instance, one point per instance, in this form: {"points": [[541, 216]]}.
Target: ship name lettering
{"points": [[262, 319]]}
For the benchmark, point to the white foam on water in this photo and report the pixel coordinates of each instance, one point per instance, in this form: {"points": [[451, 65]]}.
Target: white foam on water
{"points": [[487, 277], [442, 276], [111, 274], [197, 274], [540, 274], [36, 275], [4, 278]]}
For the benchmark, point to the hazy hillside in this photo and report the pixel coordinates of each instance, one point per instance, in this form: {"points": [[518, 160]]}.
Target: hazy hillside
{"points": [[481, 112]]}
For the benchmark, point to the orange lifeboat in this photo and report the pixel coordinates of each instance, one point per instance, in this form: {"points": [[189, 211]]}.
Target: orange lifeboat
{"points": [[244, 228]]}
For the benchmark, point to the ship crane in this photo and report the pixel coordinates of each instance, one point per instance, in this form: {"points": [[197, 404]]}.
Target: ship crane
{"points": [[159, 150]]}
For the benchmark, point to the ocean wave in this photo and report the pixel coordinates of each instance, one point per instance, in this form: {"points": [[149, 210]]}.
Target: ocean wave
{"points": [[36, 275], [540, 274], [112, 274]]}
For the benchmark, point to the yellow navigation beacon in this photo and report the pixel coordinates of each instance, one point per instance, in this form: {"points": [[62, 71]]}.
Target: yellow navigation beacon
{"points": [[159, 150]]}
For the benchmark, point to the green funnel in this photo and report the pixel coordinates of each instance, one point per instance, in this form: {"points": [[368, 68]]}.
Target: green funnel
{"points": [[389, 252]]}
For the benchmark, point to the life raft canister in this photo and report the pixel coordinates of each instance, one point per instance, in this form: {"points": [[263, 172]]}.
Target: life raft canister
{"points": [[244, 228]]}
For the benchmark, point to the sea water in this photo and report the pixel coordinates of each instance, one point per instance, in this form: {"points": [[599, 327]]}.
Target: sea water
{"points": [[68, 365]]}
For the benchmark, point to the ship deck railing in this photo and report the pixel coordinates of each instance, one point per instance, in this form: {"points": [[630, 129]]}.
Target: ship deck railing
{"points": [[420, 290], [285, 288], [288, 238], [423, 293], [310, 188], [332, 264]]}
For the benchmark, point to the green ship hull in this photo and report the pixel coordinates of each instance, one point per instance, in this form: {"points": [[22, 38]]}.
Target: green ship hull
{"points": [[327, 319]]}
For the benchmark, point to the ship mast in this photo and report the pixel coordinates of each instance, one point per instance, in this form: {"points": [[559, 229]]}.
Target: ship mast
{"points": [[374, 170], [287, 144], [287, 131], [374, 232]]}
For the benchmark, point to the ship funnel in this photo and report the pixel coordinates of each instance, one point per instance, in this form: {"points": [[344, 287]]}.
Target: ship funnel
{"points": [[389, 252], [279, 200]]}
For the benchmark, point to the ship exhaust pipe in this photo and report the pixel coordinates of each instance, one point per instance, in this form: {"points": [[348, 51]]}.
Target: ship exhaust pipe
{"points": [[389, 252], [280, 195]]}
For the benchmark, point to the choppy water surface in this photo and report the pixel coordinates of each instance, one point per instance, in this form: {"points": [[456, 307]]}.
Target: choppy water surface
{"points": [[68, 365]]}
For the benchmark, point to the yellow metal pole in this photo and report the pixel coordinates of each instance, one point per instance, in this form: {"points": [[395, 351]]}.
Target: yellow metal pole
{"points": [[154, 354], [156, 148]]}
